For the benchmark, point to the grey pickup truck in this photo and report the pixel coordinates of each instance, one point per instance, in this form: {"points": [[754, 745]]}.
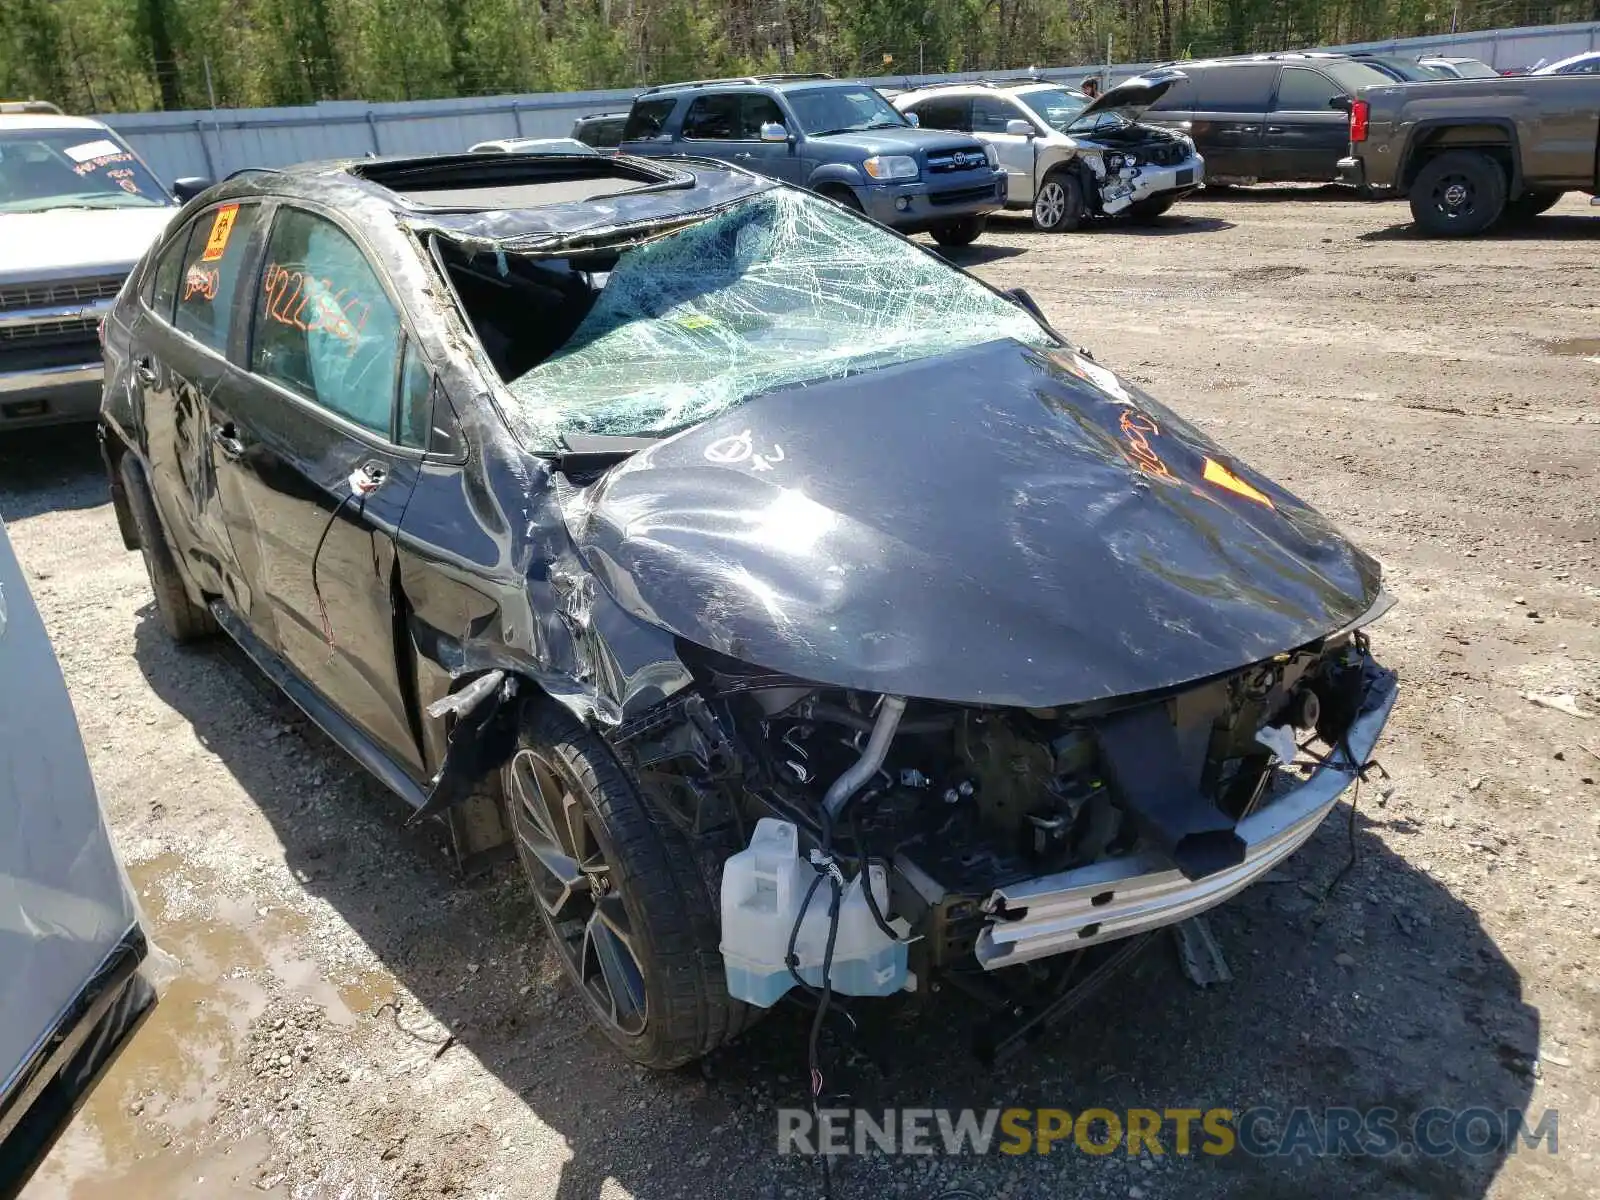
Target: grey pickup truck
{"points": [[1468, 152]]}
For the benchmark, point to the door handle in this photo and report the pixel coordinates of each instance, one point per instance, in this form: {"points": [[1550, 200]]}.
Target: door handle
{"points": [[145, 372], [367, 478], [226, 438], [1277, 129], [742, 155]]}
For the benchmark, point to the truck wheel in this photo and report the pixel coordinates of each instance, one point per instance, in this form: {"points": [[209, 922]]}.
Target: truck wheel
{"points": [[1058, 204], [1530, 204], [1142, 212], [181, 617], [624, 904], [843, 195], [962, 233], [1458, 194]]}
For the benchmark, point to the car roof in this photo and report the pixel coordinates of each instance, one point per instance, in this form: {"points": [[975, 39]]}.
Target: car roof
{"points": [[509, 197], [777, 83], [48, 121]]}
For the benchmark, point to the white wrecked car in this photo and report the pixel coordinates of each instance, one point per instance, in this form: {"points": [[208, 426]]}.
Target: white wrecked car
{"points": [[1066, 156]]}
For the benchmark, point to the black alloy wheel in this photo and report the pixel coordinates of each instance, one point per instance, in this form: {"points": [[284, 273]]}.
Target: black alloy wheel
{"points": [[1458, 194]]}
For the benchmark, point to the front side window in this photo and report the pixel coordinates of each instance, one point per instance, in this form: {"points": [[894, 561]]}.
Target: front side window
{"points": [[848, 109], [990, 114], [73, 168], [777, 290], [1058, 107], [169, 269], [712, 118], [1300, 90], [647, 119], [211, 272], [324, 326]]}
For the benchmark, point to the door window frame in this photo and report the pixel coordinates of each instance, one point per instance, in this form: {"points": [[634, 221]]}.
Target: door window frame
{"points": [[1335, 89], [248, 275], [740, 133]]}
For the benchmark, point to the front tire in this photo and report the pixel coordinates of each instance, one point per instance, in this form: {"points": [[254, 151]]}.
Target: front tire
{"points": [[183, 619], [1058, 203], [629, 915], [962, 233], [1458, 194]]}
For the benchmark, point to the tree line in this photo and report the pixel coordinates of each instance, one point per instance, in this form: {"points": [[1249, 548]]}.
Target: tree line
{"points": [[132, 55]]}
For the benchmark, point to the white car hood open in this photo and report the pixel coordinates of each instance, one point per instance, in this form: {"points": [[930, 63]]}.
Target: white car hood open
{"points": [[76, 241]]}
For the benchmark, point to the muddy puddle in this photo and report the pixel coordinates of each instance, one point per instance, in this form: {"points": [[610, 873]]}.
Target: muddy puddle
{"points": [[1581, 347], [144, 1131]]}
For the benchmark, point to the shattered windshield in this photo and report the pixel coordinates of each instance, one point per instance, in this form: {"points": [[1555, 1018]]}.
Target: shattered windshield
{"points": [[1057, 106], [72, 168], [778, 290]]}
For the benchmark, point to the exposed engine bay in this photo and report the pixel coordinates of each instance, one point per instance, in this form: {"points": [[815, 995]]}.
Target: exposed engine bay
{"points": [[1134, 162], [959, 802]]}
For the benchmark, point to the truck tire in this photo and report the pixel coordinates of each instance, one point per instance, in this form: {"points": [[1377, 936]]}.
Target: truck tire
{"points": [[1458, 194], [1142, 212], [1530, 204], [961, 233], [628, 912], [1058, 203], [183, 619], [837, 191]]}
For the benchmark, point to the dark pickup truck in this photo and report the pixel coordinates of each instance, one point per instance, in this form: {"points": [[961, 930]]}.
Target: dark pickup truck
{"points": [[1468, 152]]}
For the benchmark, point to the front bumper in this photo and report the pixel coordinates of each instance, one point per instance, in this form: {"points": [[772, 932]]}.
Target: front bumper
{"points": [[920, 205], [1117, 898], [1152, 182], [50, 395]]}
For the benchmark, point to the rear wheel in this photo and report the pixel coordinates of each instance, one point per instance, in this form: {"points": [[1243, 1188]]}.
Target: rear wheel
{"points": [[1530, 204], [1458, 194], [1058, 204], [181, 617], [961, 233], [1142, 211], [628, 913]]}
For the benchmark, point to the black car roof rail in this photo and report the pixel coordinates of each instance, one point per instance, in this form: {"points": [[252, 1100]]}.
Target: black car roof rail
{"points": [[698, 83]]}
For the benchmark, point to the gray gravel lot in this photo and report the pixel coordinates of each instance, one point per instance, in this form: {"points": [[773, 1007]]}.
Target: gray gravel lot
{"points": [[346, 1019]]}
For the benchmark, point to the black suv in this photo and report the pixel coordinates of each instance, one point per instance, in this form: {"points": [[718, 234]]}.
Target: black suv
{"points": [[1277, 118]]}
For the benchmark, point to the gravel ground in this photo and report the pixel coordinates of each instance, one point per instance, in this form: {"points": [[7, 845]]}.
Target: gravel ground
{"points": [[344, 1018]]}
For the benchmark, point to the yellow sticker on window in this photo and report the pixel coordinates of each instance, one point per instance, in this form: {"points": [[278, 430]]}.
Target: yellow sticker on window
{"points": [[1220, 475], [221, 227], [695, 321]]}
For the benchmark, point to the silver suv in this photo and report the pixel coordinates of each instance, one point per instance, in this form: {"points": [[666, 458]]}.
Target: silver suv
{"points": [[1068, 157], [77, 209]]}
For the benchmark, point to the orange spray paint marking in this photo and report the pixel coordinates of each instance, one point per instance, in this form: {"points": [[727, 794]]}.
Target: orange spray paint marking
{"points": [[1138, 429]]}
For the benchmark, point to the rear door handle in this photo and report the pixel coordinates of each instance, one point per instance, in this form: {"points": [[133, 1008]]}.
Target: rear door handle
{"points": [[227, 440], [145, 372], [741, 155], [1277, 129]]}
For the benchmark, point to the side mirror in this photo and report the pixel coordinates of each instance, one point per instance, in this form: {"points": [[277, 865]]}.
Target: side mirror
{"points": [[1342, 103], [771, 131], [1020, 128], [912, 119], [190, 186]]}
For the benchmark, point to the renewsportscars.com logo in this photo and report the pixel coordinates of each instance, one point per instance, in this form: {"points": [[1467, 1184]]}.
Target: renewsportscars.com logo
{"points": [[1259, 1132]]}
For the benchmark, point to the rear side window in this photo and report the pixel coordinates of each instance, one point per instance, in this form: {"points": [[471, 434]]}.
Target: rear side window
{"points": [[647, 119], [602, 135], [1300, 90], [416, 398], [1245, 88], [169, 269], [211, 260], [945, 112], [324, 326]]}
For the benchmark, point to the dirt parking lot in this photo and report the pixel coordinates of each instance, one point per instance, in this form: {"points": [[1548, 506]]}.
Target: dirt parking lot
{"points": [[346, 1019]]}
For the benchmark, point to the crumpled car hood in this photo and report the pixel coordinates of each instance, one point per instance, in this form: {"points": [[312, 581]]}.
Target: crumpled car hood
{"points": [[1000, 525]]}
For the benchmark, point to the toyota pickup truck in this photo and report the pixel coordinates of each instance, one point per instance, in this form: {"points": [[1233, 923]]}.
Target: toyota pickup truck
{"points": [[1470, 152]]}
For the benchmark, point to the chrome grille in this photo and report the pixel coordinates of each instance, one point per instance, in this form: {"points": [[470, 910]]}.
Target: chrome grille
{"points": [[942, 162], [20, 296], [1164, 154]]}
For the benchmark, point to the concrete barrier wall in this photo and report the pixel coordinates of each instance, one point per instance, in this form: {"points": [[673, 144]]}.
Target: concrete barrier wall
{"points": [[214, 143]]}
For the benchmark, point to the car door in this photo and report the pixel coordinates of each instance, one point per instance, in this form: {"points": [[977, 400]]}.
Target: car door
{"points": [[990, 116], [781, 160], [316, 419], [179, 346], [1230, 115], [1305, 136]]}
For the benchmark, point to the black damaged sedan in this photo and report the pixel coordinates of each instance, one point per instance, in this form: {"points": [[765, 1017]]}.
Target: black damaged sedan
{"points": [[807, 614]]}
